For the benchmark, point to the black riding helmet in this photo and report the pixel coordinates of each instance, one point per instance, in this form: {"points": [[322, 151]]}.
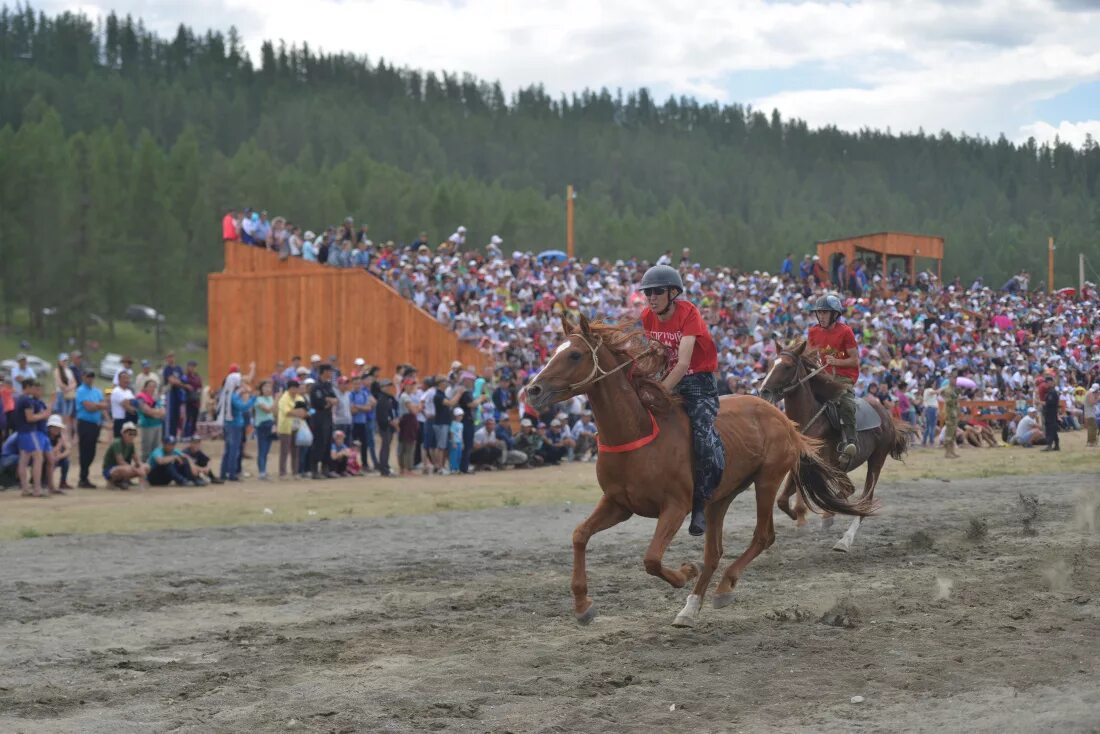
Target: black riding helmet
{"points": [[829, 302], [663, 276]]}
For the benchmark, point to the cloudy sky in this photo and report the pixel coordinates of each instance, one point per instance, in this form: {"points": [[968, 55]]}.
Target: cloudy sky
{"points": [[1021, 67]]}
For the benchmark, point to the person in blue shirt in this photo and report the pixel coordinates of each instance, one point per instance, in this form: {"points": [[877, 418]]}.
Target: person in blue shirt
{"points": [[90, 407], [29, 422], [788, 266], [235, 401], [9, 460], [362, 422], [168, 464], [176, 394], [456, 441]]}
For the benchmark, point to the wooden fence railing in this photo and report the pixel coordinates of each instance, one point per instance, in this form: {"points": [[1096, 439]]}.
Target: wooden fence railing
{"points": [[265, 309]]}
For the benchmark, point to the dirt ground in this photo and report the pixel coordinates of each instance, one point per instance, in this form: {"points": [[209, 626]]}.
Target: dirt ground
{"points": [[966, 605]]}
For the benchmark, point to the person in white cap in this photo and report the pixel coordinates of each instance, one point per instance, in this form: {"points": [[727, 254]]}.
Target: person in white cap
{"points": [[314, 363], [19, 373], [455, 455], [120, 463], [1092, 413], [57, 456], [1027, 430], [458, 239]]}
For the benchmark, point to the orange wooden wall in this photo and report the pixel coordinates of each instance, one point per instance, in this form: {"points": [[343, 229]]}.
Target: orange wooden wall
{"points": [[265, 310]]}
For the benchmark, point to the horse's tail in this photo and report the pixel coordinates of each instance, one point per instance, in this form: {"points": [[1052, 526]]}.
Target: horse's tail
{"points": [[823, 486], [904, 434]]}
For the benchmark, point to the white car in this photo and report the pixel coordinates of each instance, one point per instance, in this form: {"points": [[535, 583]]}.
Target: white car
{"points": [[42, 368], [110, 365]]}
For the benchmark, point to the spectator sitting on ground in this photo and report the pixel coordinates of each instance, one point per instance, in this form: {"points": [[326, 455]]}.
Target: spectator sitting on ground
{"points": [[340, 453], [1028, 433], [120, 463], [168, 464], [200, 462], [488, 451], [530, 443], [584, 436]]}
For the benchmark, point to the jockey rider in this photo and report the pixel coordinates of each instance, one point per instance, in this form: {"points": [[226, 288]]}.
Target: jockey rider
{"points": [[836, 344], [692, 361]]}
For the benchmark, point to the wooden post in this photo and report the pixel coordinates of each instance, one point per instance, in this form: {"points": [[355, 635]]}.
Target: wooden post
{"points": [[569, 195], [1080, 276], [1050, 265]]}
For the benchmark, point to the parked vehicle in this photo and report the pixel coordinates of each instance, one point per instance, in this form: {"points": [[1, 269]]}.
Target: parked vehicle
{"points": [[110, 365], [41, 367], [137, 312]]}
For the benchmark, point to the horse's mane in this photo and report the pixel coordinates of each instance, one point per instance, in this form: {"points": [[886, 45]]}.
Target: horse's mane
{"points": [[824, 386], [649, 365]]}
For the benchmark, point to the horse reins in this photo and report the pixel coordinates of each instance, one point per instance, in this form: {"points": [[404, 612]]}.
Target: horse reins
{"points": [[596, 369], [793, 385]]}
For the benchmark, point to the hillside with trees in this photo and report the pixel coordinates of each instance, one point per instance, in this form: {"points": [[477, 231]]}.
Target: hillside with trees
{"points": [[120, 150]]}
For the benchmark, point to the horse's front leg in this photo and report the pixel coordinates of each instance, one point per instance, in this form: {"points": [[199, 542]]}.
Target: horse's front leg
{"points": [[605, 515], [668, 523]]}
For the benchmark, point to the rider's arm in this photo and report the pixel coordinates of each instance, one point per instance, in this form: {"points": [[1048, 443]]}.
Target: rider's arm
{"points": [[683, 362]]}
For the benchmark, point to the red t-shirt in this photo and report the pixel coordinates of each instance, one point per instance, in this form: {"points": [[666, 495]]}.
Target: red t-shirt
{"points": [[685, 321], [229, 228], [836, 341]]}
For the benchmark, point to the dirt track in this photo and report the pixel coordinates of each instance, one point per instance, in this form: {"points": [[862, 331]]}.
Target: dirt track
{"points": [[461, 621]]}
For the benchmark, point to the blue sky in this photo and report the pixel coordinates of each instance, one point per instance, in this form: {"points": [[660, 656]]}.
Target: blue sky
{"points": [[1018, 67]]}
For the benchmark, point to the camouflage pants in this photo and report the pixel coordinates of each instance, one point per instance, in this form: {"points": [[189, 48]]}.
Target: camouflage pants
{"points": [[846, 404], [700, 395]]}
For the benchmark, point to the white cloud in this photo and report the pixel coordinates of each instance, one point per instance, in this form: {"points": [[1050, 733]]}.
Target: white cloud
{"points": [[1068, 132], [978, 67]]}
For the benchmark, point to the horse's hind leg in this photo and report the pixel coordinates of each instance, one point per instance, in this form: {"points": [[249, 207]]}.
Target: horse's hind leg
{"points": [[762, 538], [712, 554], [874, 469], [606, 514]]}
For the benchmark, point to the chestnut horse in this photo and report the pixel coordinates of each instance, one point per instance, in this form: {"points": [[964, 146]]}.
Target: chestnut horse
{"points": [[645, 460], [798, 381]]}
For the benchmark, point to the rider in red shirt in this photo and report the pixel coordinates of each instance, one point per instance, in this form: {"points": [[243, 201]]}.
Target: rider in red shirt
{"points": [[692, 362], [836, 345]]}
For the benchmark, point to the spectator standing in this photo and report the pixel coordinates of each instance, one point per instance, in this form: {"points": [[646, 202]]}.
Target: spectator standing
{"points": [[176, 394], [234, 401], [322, 398], [147, 373], [265, 426], [90, 407], [65, 384], [192, 390], [229, 226], [950, 416], [20, 374], [457, 434], [7, 407], [440, 425], [31, 415], [407, 426], [1050, 415], [291, 410], [468, 403], [362, 428], [341, 411], [931, 402], [150, 418], [386, 417], [1092, 414], [122, 403], [126, 369]]}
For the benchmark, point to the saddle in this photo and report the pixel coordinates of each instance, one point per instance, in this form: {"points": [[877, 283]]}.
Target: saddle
{"points": [[867, 418]]}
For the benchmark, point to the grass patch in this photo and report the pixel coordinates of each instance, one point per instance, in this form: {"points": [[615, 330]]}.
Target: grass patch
{"points": [[27, 532], [298, 501]]}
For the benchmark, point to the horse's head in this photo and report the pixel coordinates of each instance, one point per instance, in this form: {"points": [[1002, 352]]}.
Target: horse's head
{"points": [[786, 370], [572, 367]]}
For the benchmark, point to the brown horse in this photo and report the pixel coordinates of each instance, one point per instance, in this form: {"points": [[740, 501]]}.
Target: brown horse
{"points": [[804, 389], [645, 464]]}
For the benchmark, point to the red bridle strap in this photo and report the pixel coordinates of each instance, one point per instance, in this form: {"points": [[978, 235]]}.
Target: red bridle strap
{"points": [[636, 444]]}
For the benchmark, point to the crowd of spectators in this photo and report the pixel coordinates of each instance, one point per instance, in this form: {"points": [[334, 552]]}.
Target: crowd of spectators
{"points": [[1035, 351], [1004, 342]]}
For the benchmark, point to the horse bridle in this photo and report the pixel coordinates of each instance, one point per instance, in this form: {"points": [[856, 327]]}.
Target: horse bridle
{"points": [[783, 391], [598, 373]]}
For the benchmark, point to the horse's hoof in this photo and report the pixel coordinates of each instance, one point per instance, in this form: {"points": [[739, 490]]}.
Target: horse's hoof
{"points": [[691, 570], [841, 547], [588, 616], [826, 523], [722, 600], [683, 620]]}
